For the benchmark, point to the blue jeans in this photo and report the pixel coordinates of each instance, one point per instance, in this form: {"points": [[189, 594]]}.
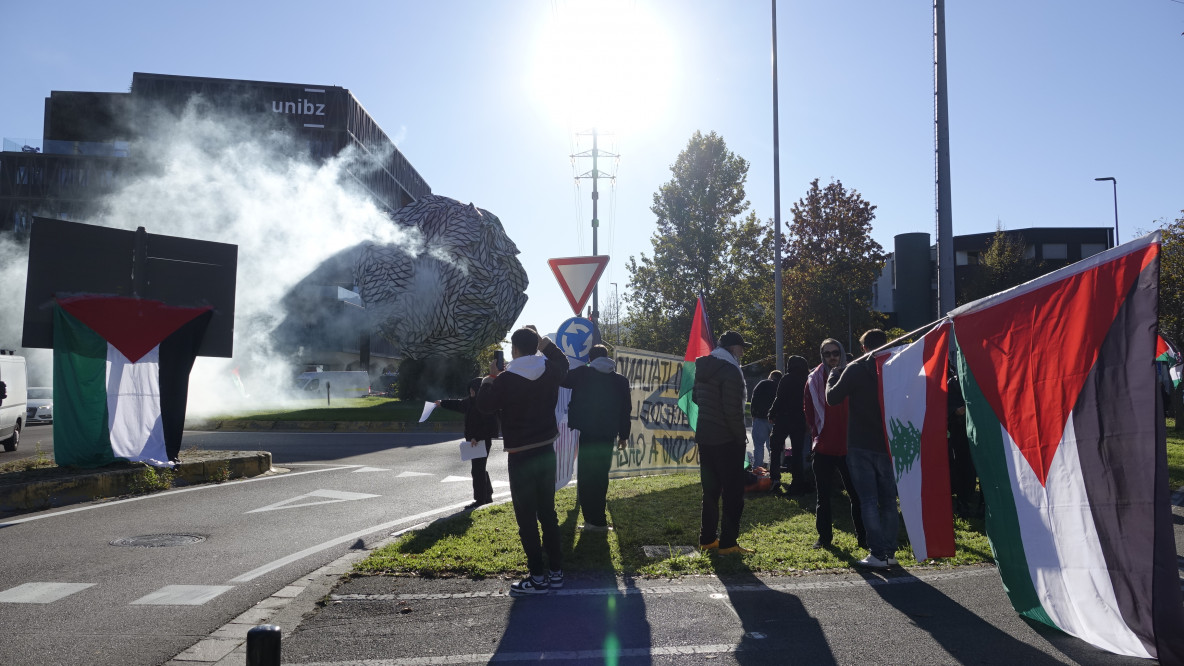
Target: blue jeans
{"points": [[760, 438], [875, 483]]}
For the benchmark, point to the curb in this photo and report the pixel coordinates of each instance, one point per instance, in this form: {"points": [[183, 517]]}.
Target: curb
{"points": [[326, 426], [56, 492]]}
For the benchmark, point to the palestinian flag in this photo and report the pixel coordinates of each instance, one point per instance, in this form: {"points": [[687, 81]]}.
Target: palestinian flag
{"points": [[700, 343], [1166, 353], [914, 399], [1068, 438], [121, 378]]}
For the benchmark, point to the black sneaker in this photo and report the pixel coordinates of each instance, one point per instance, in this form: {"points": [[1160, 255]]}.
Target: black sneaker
{"points": [[555, 579], [530, 585]]}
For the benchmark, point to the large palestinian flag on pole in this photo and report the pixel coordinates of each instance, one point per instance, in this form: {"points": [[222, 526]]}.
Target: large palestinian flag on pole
{"points": [[1067, 434], [914, 400], [121, 378]]}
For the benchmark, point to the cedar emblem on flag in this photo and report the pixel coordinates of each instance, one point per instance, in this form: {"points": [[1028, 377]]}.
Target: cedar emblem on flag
{"points": [[1068, 439], [913, 399]]}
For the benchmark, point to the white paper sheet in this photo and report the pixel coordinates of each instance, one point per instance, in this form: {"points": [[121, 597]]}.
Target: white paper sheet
{"points": [[468, 451], [428, 407]]}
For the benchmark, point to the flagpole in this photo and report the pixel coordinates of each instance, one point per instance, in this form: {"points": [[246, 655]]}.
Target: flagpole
{"points": [[778, 325], [927, 327]]}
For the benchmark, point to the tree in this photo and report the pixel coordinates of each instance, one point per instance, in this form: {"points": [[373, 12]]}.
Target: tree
{"points": [[1171, 281], [1001, 266], [701, 245], [830, 263]]}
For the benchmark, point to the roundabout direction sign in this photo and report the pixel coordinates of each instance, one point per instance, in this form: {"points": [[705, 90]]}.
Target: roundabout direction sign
{"points": [[576, 336]]}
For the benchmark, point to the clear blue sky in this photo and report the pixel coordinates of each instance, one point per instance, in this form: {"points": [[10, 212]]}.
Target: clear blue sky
{"points": [[1044, 97]]}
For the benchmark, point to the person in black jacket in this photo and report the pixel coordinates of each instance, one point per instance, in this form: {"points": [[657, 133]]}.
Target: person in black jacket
{"points": [[720, 394], [762, 400], [478, 427], [789, 420], [600, 408], [524, 396]]}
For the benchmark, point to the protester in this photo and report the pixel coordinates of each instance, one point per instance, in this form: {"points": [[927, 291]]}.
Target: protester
{"points": [[478, 426], [790, 421], [524, 398], [762, 400], [868, 458], [828, 441], [720, 392], [963, 477], [599, 409]]}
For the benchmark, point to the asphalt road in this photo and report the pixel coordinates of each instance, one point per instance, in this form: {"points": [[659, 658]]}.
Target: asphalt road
{"points": [[69, 596], [34, 438]]}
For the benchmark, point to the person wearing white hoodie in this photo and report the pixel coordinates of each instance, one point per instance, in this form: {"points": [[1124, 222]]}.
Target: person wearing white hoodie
{"points": [[600, 408]]}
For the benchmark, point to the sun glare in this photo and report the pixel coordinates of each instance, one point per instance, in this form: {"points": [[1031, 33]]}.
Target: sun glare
{"points": [[607, 65]]}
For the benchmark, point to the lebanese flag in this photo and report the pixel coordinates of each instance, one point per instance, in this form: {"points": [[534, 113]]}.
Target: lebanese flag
{"points": [[1067, 434], [121, 378], [700, 343], [913, 396]]}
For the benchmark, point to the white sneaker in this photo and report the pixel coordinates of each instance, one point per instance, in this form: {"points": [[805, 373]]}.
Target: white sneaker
{"points": [[891, 561], [873, 562]]}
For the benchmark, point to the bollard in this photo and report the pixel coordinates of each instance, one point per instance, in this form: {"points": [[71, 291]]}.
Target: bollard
{"points": [[263, 645], [328, 400]]}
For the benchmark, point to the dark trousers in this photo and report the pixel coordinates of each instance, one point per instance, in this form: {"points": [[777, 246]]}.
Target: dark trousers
{"points": [[825, 467], [482, 486], [721, 470], [595, 459], [796, 434], [532, 490]]}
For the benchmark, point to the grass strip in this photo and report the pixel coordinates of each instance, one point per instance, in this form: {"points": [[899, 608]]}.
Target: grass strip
{"points": [[648, 511]]}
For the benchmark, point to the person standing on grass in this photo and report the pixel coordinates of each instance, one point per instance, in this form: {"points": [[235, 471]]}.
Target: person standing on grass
{"points": [[762, 400], [868, 458], [789, 421], [720, 392], [478, 427], [828, 438], [524, 398], [600, 407]]}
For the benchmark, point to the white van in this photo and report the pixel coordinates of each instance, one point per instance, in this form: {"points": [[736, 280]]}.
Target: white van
{"points": [[12, 408], [340, 383]]}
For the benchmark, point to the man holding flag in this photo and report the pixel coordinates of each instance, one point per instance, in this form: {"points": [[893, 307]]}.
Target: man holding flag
{"points": [[868, 458]]}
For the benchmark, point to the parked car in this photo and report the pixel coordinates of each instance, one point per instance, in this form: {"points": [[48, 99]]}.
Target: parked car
{"points": [[12, 406], [39, 406]]}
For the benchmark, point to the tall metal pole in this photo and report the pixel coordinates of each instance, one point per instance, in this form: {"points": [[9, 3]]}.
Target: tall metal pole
{"points": [[595, 224], [945, 223], [777, 307]]}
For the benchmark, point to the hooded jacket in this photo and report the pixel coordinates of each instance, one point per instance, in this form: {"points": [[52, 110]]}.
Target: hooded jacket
{"points": [[600, 401], [828, 423], [524, 398], [786, 411], [720, 393]]}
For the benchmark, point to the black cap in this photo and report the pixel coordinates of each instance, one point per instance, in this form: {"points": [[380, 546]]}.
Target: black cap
{"points": [[730, 338]]}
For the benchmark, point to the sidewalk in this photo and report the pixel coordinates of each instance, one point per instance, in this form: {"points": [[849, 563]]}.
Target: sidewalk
{"points": [[920, 615]]}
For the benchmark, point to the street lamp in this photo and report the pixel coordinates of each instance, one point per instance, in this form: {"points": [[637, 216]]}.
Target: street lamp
{"points": [[1115, 181]]}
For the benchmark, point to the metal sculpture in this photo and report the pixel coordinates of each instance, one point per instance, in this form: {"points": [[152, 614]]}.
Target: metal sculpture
{"points": [[461, 292]]}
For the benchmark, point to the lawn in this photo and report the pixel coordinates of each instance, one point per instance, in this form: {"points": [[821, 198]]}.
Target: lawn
{"points": [[347, 409], [661, 511]]}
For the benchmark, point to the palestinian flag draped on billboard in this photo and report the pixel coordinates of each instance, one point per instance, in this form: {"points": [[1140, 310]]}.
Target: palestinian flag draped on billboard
{"points": [[121, 378], [1067, 434], [913, 400]]}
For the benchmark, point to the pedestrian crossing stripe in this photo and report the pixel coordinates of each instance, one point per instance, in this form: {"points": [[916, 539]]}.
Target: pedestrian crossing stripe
{"points": [[41, 593], [182, 595], [454, 479], [413, 474], [370, 469]]}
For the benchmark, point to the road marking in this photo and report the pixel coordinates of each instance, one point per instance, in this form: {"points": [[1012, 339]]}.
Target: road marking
{"points": [[454, 479], [353, 536], [190, 489], [500, 484], [333, 496], [41, 593], [594, 656], [371, 469], [413, 474], [182, 595]]}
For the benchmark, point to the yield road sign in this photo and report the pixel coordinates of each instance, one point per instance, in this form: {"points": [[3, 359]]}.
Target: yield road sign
{"points": [[577, 277]]}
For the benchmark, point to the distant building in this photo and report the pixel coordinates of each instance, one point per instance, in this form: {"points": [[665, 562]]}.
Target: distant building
{"points": [[907, 287], [88, 149]]}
